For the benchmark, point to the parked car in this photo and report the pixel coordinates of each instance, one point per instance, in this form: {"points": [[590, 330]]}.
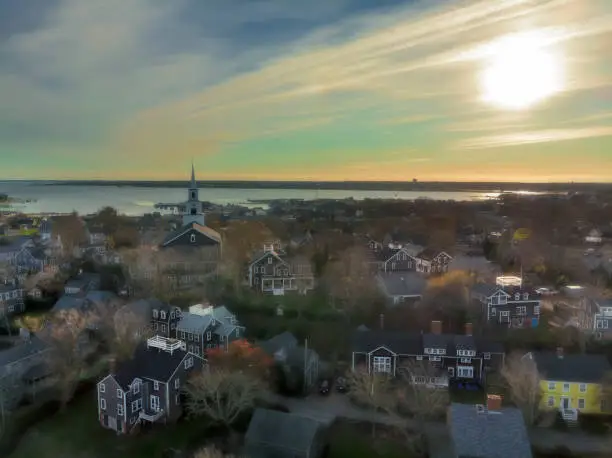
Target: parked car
{"points": [[324, 387], [341, 385]]}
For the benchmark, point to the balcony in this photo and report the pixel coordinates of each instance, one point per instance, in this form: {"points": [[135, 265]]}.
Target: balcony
{"points": [[165, 344], [151, 417]]}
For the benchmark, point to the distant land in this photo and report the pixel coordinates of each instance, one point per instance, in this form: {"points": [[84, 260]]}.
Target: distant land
{"points": [[440, 186]]}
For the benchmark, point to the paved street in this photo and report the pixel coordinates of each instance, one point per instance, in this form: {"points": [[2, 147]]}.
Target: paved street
{"points": [[328, 408]]}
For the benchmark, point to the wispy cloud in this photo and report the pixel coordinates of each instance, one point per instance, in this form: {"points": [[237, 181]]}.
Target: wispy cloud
{"points": [[541, 136]]}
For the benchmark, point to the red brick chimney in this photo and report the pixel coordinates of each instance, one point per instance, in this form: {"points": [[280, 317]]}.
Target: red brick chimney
{"points": [[436, 327], [469, 329], [494, 402]]}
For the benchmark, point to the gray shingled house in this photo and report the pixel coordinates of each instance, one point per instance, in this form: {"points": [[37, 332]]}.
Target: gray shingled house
{"points": [[401, 287], [148, 387], [488, 431], [274, 434]]}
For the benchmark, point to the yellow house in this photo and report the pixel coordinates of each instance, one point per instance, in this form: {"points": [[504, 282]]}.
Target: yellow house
{"points": [[571, 382]]}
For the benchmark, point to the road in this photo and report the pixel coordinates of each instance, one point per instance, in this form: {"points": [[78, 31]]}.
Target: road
{"points": [[327, 408]]}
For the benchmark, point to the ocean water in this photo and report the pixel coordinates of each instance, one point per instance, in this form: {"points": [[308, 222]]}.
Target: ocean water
{"points": [[131, 200]]}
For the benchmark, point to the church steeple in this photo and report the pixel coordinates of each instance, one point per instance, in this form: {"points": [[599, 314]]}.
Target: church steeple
{"points": [[193, 206]]}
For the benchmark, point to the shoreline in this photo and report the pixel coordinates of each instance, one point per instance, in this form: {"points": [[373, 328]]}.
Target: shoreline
{"points": [[487, 187]]}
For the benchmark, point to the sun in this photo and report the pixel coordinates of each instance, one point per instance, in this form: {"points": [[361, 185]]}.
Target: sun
{"points": [[520, 71]]}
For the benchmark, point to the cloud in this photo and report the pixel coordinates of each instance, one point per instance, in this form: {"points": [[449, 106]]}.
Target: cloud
{"points": [[540, 136]]}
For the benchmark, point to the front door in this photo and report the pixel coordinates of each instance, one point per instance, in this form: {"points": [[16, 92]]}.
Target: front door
{"points": [[565, 403], [154, 403]]}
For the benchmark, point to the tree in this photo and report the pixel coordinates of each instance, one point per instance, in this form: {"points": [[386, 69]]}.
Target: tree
{"points": [[523, 380], [222, 395], [145, 269], [241, 355], [65, 333], [371, 390], [71, 231], [211, 452]]}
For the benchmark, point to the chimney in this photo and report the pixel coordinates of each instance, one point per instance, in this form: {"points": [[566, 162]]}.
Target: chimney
{"points": [[469, 329], [494, 402], [436, 327], [560, 352]]}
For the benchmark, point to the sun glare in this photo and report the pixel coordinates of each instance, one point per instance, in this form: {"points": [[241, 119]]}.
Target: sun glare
{"points": [[520, 71]]}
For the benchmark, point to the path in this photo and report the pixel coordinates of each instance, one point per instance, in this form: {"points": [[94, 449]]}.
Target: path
{"points": [[327, 408]]}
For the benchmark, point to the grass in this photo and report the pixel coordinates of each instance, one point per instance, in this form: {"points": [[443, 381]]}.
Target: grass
{"points": [[76, 433], [354, 440]]}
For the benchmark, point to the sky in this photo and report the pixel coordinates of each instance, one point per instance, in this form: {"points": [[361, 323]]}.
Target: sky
{"points": [[480, 90]]}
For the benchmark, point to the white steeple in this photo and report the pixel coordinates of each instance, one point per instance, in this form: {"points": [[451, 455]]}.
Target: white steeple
{"points": [[193, 206]]}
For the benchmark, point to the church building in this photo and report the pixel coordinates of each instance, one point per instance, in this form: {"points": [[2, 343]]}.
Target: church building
{"points": [[194, 248]]}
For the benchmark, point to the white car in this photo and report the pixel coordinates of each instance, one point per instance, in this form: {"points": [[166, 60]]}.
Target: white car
{"points": [[545, 291]]}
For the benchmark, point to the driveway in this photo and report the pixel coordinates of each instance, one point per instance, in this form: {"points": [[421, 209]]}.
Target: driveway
{"points": [[327, 408]]}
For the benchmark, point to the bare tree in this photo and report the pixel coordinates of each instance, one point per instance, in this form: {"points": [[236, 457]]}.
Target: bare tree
{"points": [[521, 375], [371, 390], [71, 231], [222, 396], [211, 452], [146, 269], [65, 333]]}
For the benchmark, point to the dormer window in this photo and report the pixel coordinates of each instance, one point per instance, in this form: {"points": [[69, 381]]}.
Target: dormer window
{"points": [[517, 297], [155, 313], [192, 238], [163, 315], [525, 296]]}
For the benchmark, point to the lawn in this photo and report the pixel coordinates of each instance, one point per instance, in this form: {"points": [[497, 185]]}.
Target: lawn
{"points": [[76, 433], [355, 440]]}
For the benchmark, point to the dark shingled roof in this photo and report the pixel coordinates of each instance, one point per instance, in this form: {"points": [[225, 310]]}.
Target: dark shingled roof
{"points": [[486, 289], [274, 433], [571, 367], [397, 342], [488, 434], [284, 340], [149, 363]]}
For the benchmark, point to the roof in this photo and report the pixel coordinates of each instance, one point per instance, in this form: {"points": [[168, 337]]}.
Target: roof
{"points": [[474, 264], [284, 340], [488, 434], [21, 350], [485, 289], [279, 430], [204, 230], [193, 323], [577, 367], [15, 244], [403, 283], [150, 363], [397, 342], [69, 302], [428, 254]]}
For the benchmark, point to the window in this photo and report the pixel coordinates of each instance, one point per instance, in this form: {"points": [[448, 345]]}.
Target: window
{"points": [[208, 335], [119, 394], [193, 195], [163, 315], [192, 238], [466, 360], [536, 309], [465, 371], [393, 266], [177, 383], [525, 296], [102, 388], [136, 387], [156, 386], [517, 296], [522, 310], [155, 326], [189, 362], [487, 355], [177, 399], [566, 387], [196, 337], [551, 386], [582, 387], [137, 405], [551, 401], [381, 364], [581, 403], [435, 358], [103, 404], [120, 410], [155, 313], [163, 328], [183, 335], [419, 358], [493, 311]]}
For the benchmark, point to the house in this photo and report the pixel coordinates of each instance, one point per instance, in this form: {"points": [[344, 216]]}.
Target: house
{"points": [[272, 272], [195, 246], [16, 364], [84, 301], [150, 315], [11, 299], [594, 237], [432, 261], [602, 317], [572, 383], [293, 358], [147, 389], [488, 431], [443, 359], [283, 435], [400, 287], [82, 283], [226, 328], [512, 307]]}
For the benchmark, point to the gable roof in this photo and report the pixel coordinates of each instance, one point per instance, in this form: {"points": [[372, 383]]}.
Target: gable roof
{"points": [[585, 368], [486, 289], [149, 363], [284, 340], [402, 283], [271, 429], [22, 350], [204, 230], [193, 323], [488, 434], [398, 342]]}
